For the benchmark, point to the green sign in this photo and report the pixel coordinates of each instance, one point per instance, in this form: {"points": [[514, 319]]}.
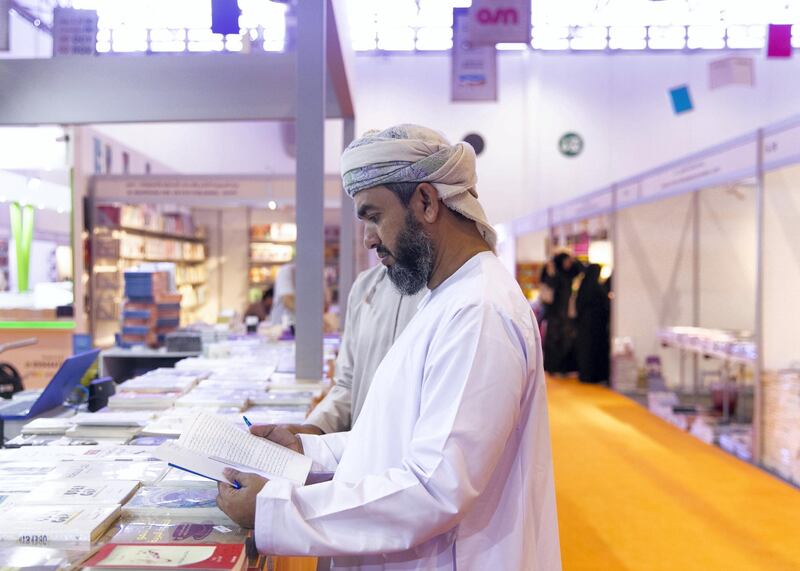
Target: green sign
{"points": [[570, 144], [22, 231]]}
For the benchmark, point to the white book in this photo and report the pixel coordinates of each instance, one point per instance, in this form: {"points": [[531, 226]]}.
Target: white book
{"points": [[43, 525], [177, 478], [93, 431], [145, 472], [210, 444], [80, 492], [47, 426], [114, 418], [285, 398]]}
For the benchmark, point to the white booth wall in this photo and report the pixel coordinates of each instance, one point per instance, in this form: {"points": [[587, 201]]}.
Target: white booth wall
{"points": [[653, 274], [727, 257], [781, 273]]}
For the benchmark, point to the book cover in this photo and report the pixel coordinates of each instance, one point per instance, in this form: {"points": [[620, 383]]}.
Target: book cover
{"points": [[179, 530], [98, 492], [42, 525], [168, 556], [170, 500]]}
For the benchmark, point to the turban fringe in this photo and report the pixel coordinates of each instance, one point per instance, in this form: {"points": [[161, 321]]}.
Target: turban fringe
{"points": [[410, 153]]}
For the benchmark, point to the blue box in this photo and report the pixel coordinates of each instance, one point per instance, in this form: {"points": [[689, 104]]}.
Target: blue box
{"points": [[681, 100]]}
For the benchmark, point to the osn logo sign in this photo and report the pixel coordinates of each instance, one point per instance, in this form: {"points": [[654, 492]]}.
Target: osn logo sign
{"points": [[503, 16], [495, 21]]}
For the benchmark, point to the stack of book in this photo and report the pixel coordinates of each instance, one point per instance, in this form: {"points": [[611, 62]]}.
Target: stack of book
{"points": [[151, 311], [109, 425], [782, 423]]}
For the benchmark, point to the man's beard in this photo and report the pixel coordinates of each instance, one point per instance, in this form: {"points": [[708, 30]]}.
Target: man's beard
{"points": [[413, 258]]}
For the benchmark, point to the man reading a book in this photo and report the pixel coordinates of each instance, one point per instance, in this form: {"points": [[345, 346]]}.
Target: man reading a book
{"points": [[449, 465]]}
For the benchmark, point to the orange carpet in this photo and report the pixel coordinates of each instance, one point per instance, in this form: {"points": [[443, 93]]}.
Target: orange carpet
{"points": [[635, 493]]}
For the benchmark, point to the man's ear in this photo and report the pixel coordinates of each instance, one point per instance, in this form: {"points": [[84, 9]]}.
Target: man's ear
{"points": [[429, 205]]}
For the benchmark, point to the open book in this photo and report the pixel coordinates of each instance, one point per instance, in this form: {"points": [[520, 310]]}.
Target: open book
{"points": [[210, 444]]}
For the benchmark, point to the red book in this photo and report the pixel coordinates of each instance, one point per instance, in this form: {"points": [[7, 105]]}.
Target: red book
{"points": [[141, 556]]}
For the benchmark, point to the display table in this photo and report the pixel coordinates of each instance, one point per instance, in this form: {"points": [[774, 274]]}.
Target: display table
{"points": [[123, 364]]}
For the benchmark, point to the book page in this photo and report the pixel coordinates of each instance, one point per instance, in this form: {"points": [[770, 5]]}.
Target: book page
{"points": [[218, 439]]}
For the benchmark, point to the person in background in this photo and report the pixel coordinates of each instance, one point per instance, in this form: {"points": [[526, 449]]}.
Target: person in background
{"points": [[262, 308], [377, 313], [559, 342], [283, 307], [593, 320], [448, 465]]}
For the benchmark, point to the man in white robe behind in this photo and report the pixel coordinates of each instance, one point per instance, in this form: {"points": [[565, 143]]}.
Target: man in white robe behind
{"points": [[449, 464]]}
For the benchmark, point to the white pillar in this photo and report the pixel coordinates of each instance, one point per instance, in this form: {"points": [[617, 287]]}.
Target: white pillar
{"points": [[347, 238], [310, 169]]}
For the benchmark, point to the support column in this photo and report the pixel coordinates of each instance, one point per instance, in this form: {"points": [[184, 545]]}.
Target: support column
{"points": [[347, 237], [758, 400], [696, 285], [310, 175]]}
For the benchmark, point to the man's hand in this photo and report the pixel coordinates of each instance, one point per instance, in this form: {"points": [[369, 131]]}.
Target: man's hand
{"points": [[279, 434], [240, 504], [302, 429]]}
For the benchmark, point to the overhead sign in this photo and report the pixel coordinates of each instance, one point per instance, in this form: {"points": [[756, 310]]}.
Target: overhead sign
{"points": [[725, 165], [74, 32], [584, 207], [570, 144], [499, 21], [201, 190], [474, 69], [731, 71]]}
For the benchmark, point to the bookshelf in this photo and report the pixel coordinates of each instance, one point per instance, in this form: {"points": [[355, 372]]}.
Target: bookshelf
{"points": [[125, 236], [271, 246]]}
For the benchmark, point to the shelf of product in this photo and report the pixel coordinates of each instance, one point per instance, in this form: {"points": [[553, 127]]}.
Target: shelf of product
{"points": [[148, 220], [528, 274], [271, 253], [280, 232], [735, 346], [271, 246]]}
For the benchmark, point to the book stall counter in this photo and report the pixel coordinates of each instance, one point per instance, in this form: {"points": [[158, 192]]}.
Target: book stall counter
{"points": [[96, 493]]}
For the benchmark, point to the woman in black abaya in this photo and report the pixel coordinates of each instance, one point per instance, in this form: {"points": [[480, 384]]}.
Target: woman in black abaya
{"points": [[592, 306]]}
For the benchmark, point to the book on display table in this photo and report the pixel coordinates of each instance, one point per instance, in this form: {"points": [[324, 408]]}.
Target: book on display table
{"points": [[167, 529], [135, 556], [43, 525]]}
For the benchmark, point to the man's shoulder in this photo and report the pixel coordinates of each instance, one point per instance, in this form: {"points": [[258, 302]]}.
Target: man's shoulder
{"points": [[367, 281]]}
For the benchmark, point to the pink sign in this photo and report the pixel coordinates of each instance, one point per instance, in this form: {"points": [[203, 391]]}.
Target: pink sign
{"points": [[779, 41], [498, 21]]}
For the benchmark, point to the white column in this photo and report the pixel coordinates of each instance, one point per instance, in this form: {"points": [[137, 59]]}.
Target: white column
{"points": [[758, 373], [310, 169], [347, 241]]}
